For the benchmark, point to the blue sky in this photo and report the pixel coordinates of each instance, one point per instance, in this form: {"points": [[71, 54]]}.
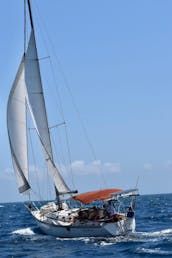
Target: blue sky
{"points": [[117, 60]]}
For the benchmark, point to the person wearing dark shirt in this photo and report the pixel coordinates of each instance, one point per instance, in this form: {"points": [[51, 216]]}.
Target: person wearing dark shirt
{"points": [[130, 212]]}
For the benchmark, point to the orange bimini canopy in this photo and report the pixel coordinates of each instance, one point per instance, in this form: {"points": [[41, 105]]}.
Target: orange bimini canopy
{"points": [[95, 195]]}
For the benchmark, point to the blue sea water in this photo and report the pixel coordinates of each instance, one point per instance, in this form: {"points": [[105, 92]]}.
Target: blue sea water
{"points": [[20, 236]]}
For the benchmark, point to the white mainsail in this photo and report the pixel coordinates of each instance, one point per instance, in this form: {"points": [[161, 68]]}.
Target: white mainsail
{"points": [[17, 131], [28, 88], [37, 108]]}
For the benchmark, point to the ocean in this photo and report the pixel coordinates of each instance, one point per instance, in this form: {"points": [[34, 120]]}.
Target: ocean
{"points": [[20, 236]]}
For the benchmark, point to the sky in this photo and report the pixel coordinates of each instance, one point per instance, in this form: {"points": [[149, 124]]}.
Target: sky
{"points": [[114, 72]]}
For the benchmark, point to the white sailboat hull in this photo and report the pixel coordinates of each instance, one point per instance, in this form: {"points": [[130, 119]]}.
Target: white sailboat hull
{"points": [[85, 229], [74, 231]]}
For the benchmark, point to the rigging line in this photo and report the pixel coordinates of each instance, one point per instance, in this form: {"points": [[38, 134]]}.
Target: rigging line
{"points": [[55, 126], [50, 127], [137, 182], [37, 195], [61, 157], [48, 185], [79, 118], [76, 110], [35, 165], [75, 106], [24, 27], [70, 160], [43, 58], [65, 126], [81, 122]]}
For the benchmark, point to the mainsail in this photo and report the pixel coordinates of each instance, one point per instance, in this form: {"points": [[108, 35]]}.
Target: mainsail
{"points": [[35, 100], [27, 88]]}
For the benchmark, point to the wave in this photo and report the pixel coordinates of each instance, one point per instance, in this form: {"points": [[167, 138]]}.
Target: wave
{"points": [[152, 234], [24, 231], [133, 237], [142, 250], [143, 237], [136, 236], [84, 239]]}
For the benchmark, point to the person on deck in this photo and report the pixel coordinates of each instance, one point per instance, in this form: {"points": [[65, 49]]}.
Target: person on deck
{"points": [[111, 209], [130, 212]]}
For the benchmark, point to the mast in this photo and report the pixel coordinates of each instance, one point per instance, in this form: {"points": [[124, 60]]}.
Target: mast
{"points": [[30, 14], [24, 27], [32, 27], [36, 103], [50, 156]]}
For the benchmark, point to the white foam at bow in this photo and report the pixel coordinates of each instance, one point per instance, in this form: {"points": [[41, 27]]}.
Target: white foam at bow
{"points": [[24, 231]]}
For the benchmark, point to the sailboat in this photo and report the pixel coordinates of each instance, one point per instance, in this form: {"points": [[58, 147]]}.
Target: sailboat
{"points": [[98, 213]]}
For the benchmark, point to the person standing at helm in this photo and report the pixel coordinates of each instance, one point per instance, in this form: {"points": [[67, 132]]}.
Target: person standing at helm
{"points": [[111, 209]]}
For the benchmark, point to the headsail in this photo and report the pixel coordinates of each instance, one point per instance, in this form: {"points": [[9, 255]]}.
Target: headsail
{"points": [[16, 122]]}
